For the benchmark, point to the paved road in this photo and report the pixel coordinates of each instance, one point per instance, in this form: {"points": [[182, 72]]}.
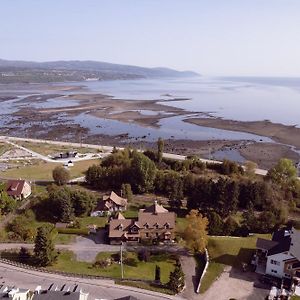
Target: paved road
{"points": [[97, 288]]}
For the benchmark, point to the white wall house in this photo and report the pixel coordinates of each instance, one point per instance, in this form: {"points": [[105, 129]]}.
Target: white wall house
{"points": [[275, 265]]}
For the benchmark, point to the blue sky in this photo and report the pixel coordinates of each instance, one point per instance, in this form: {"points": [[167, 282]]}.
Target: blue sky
{"points": [[213, 37]]}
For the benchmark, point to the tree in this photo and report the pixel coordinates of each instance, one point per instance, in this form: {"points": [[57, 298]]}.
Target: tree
{"points": [[230, 226], [176, 279], [160, 149], [61, 208], [249, 219], [157, 273], [82, 202], [126, 191], [7, 203], [215, 223], [61, 175], [283, 173], [195, 233], [44, 251], [24, 255], [142, 173], [250, 168]]}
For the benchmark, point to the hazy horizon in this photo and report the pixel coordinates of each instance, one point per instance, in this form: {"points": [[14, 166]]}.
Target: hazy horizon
{"points": [[249, 38]]}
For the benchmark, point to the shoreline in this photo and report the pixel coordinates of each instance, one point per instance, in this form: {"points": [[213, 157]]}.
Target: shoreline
{"points": [[44, 122], [283, 134]]}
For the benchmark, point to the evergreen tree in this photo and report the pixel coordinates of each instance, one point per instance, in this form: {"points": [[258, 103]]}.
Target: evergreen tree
{"points": [[44, 251], [160, 149], [157, 273], [24, 255], [176, 279], [126, 191]]}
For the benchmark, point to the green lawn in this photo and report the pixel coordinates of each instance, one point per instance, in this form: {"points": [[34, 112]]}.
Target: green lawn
{"points": [[227, 251], [181, 224], [41, 170], [99, 221], [64, 239], [145, 270]]}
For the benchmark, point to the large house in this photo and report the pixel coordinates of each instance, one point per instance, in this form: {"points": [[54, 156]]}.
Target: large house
{"points": [[18, 189], [155, 223], [279, 257], [110, 204]]}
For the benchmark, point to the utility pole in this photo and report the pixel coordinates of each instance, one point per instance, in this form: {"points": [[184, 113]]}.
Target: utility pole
{"points": [[121, 250]]}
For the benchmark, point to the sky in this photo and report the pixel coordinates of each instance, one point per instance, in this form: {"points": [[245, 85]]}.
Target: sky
{"points": [[212, 37]]}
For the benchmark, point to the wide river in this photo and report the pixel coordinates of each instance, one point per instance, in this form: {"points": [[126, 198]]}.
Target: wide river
{"points": [[243, 99]]}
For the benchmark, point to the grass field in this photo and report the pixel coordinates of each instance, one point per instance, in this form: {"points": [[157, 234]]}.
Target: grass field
{"points": [[99, 221], [144, 270], [227, 251], [40, 170], [4, 147], [50, 149]]}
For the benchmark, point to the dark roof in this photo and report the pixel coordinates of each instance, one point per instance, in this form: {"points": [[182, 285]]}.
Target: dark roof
{"points": [[265, 244], [57, 295], [283, 239], [127, 298], [15, 187]]}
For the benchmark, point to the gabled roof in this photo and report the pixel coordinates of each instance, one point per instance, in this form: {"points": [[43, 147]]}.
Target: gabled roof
{"points": [[155, 209], [156, 215], [281, 242], [265, 244], [115, 225], [116, 199], [57, 295], [119, 216], [15, 187]]}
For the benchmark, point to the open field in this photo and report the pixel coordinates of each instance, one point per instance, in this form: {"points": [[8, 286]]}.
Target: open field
{"points": [[4, 147], [228, 251], [51, 149], [40, 170]]}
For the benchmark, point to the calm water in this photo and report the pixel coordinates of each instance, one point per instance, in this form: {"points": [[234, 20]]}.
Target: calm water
{"points": [[245, 99]]}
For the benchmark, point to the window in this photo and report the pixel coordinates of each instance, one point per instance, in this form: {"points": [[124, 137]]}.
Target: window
{"points": [[273, 271], [167, 226], [146, 225], [156, 226], [275, 262], [147, 234], [156, 234]]}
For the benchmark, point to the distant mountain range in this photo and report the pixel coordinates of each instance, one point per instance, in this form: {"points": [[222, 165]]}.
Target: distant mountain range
{"points": [[60, 71]]}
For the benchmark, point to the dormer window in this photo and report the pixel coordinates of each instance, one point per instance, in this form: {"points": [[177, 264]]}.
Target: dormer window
{"points": [[134, 229], [120, 227], [156, 225], [167, 226], [146, 226]]}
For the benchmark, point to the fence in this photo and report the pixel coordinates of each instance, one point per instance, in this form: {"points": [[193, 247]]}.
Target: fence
{"points": [[204, 271]]}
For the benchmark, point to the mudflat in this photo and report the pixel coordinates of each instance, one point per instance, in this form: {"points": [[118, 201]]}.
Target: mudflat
{"points": [[289, 135]]}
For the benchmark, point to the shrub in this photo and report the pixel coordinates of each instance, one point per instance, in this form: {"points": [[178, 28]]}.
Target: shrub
{"points": [[144, 255], [130, 261], [102, 263]]}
